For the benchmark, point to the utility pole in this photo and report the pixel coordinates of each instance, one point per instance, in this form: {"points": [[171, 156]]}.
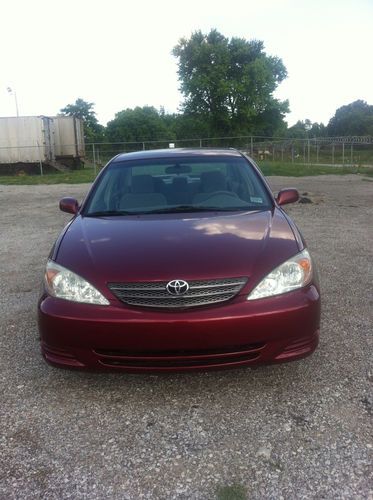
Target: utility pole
{"points": [[13, 92]]}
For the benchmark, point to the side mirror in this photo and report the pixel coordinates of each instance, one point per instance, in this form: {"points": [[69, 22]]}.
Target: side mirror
{"points": [[69, 205], [285, 196]]}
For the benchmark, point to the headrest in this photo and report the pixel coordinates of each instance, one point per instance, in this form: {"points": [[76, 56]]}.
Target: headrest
{"points": [[180, 183], [142, 184], [213, 181]]}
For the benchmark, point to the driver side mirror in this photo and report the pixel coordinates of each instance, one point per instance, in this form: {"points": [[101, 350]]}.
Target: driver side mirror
{"points": [[289, 195], [69, 205]]}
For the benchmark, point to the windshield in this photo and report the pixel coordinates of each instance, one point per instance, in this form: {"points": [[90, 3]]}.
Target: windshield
{"points": [[178, 185]]}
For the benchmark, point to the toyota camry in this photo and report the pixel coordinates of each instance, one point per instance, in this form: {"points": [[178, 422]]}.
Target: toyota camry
{"points": [[179, 259]]}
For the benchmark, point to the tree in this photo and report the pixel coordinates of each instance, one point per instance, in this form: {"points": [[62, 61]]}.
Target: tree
{"points": [[306, 129], [188, 126], [230, 83], [353, 119], [93, 131], [138, 125]]}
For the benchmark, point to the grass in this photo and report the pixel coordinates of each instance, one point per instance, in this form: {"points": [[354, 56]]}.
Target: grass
{"points": [[72, 177], [268, 168]]}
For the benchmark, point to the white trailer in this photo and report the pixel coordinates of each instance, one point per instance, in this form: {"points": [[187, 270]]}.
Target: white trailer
{"points": [[26, 139], [53, 141], [68, 137]]}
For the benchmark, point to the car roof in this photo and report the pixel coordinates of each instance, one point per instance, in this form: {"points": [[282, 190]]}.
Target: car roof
{"points": [[177, 152]]}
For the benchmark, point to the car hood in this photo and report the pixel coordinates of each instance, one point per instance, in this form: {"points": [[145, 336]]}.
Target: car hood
{"points": [[176, 246]]}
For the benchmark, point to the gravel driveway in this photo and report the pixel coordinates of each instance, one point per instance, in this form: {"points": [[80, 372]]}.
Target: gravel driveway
{"points": [[301, 430]]}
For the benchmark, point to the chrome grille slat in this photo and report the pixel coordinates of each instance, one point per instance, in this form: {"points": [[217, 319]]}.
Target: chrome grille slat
{"points": [[157, 286], [194, 287], [200, 293], [132, 288], [165, 295]]}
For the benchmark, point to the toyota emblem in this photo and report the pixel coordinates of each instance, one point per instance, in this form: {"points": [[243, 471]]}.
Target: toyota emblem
{"points": [[177, 287]]}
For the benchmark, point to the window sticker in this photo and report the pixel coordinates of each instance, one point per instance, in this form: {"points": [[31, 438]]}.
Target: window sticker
{"points": [[256, 199]]}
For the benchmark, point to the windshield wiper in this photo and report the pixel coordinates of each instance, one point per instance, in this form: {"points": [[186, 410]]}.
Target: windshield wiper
{"points": [[172, 210], [105, 213], [194, 208]]}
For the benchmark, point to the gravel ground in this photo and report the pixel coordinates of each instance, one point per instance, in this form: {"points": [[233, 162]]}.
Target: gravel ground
{"points": [[300, 430]]}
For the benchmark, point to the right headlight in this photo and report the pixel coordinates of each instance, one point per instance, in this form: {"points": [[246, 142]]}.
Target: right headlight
{"points": [[65, 284], [292, 274]]}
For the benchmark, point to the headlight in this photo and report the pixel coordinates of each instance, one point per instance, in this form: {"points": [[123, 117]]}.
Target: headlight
{"points": [[67, 285], [292, 274]]}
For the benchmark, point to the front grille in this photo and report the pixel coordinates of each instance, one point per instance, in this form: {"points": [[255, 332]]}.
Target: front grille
{"points": [[233, 355], [200, 293]]}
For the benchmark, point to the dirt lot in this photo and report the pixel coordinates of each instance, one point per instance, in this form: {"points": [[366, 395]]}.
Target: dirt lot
{"points": [[301, 430]]}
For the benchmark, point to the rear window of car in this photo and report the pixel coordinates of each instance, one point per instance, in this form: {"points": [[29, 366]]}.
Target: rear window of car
{"points": [[140, 186]]}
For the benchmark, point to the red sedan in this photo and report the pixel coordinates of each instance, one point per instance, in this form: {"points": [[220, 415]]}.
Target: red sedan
{"points": [[179, 259]]}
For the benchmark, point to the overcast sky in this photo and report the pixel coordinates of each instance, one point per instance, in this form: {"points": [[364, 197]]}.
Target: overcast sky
{"points": [[117, 54]]}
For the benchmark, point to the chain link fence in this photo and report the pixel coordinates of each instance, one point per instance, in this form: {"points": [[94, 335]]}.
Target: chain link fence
{"points": [[354, 151], [334, 151]]}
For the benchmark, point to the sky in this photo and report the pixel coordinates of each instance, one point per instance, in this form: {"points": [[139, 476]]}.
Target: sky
{"points": [[117, 54]]}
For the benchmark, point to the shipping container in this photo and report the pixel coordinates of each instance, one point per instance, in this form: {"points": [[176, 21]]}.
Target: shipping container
{"points": [[41, 140], [26, 139], [68, 137]]}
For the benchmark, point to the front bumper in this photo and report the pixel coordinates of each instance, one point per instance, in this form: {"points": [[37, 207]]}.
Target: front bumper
{"points": [[239, 333]]}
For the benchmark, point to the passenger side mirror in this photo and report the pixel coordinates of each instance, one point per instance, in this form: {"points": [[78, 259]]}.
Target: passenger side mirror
{"points": [[289, 195], [69, 205]]}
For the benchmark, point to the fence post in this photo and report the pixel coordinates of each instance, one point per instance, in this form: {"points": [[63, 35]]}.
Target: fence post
{"points": [[333, 153], [143, 146], [40, 160], [352, 154], [200, 143], [343, 153], [94, 158], [308, 145]]}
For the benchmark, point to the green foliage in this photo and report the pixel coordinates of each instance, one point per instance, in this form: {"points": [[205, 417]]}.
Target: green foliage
{"points": [[353, 119], [140, 124], [230, 84], [189, 126], [228, 87], [93, 131], [306, 129], [81, 109], [317, 130]]}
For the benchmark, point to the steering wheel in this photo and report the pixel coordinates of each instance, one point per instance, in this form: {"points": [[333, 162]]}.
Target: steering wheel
{"points": [[218, 193], [115, 199]]}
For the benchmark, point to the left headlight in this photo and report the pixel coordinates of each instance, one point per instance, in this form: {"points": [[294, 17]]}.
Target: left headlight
{"points": [[65, 284], [292, 274]]}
